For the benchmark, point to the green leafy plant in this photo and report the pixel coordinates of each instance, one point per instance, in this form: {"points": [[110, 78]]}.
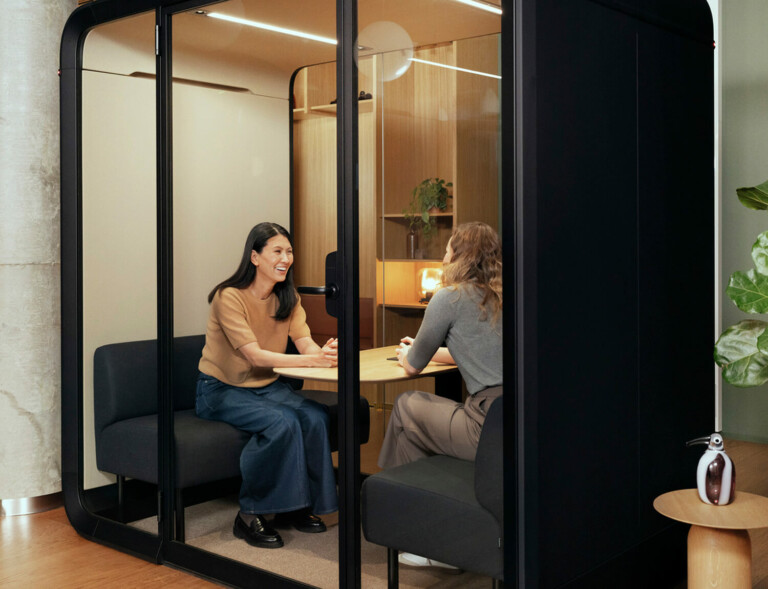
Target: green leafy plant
{"points": [[742, 349], [430, 194]]}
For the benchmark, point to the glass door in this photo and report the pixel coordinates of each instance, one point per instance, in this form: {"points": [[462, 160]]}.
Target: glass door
{"points": [[233, 101], [119, 287], [429, 136], [323, 118]]}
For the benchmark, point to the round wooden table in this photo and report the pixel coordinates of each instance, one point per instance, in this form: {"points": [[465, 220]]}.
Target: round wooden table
{"points": [[719, 548]]}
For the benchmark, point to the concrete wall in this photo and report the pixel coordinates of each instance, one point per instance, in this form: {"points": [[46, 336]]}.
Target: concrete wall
{"points": [[30, 363]]}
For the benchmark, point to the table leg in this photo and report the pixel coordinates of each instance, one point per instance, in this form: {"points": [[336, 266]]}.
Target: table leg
{"points": [[719, 558]]}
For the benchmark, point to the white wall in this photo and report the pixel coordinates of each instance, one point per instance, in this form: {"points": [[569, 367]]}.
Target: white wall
{"points": [[231, 171]]}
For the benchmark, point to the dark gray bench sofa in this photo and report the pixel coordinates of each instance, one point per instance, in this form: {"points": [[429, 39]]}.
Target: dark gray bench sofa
{"points": [[443, 508], [125, 415]]}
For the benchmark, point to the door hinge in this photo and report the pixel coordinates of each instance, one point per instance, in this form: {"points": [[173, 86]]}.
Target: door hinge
{"points": [[159, 506], [157, 39]]}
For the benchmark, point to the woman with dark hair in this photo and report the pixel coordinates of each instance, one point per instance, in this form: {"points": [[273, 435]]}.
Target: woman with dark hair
{"points": [[466, 314], [286, 465]]}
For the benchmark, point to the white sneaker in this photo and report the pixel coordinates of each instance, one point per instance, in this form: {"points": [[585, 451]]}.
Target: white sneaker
{"points": [[415, 560]]}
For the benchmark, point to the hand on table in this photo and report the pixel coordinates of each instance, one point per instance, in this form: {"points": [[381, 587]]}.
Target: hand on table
{"points": [[331, 351], [403, 349]]}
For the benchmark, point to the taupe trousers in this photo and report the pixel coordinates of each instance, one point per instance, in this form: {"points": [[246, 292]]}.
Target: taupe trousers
{"points": [[423, 425]]}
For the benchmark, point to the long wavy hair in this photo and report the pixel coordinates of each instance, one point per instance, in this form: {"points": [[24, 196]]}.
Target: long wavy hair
{"points": [[476, 261], [246, 271]]}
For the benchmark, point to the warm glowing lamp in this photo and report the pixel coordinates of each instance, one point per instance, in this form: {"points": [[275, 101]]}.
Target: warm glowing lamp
{"points": [[428, 281]]}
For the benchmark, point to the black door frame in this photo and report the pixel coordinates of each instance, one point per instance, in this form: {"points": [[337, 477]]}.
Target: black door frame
{"points": [[162, 548]]}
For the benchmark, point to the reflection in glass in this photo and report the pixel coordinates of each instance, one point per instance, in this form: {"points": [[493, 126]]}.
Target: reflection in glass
{"points": [[118, 264]]}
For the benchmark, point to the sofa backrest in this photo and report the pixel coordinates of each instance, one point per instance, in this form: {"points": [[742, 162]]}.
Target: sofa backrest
{"points": [[323, 326], [125, 378], [489, 461]]}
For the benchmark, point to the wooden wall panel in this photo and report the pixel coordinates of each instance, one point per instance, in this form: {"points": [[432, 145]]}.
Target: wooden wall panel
{"points": [[419, 127], [314, 162], [314, 185], [478, 131]]}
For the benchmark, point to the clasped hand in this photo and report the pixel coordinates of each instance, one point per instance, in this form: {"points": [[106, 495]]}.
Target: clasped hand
{"points": [[403, 349], [331, 351]]}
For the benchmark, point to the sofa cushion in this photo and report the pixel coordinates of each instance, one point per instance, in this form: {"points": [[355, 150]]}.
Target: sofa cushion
{"points": [[428, 507], [205, 450]]}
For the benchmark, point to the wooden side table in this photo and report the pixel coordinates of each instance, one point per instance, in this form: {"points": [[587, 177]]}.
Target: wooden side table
{"points": [[719, 548]]}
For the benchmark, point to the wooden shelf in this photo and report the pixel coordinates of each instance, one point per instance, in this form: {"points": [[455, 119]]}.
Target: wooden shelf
{"points": [[415, 305], [401, 216], [411, 260], [328, 110]]}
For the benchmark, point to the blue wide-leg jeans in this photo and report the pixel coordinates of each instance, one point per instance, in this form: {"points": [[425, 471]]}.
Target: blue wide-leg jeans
{"points": [[286, 465]]}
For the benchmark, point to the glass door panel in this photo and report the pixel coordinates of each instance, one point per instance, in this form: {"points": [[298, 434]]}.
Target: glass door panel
{"points": [[232, 131], [436, 123], [119, 271]]}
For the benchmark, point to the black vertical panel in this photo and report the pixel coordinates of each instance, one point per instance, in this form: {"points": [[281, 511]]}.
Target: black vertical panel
{"points": [[588, 290], [347, 274], [676, 222], [166, 454], [624, 317], [519, 213]]}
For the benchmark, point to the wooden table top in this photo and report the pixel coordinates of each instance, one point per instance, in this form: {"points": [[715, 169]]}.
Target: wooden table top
{"points": [[747, 511], [374, 367]]}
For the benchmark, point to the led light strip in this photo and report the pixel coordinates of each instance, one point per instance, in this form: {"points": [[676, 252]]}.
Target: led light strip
{"points": [[458, 69], [266, 27], [482, 6]]}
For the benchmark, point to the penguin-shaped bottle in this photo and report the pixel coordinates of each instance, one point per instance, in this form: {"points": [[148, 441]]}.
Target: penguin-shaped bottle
{"points": [[716, 474]]}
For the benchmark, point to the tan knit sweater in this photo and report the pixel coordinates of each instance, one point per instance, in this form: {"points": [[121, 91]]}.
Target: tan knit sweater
{"points": [[237, 318]]}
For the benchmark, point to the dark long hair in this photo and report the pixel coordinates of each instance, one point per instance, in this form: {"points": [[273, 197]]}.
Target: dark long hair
{"points": [[246, 271]]}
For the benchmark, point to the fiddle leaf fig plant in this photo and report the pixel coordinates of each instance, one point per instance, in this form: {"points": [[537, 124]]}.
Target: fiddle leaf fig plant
{"points": [[742, 349]]}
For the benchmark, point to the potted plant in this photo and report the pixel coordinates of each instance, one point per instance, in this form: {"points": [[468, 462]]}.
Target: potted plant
{"points": [[742, 349], [428, 197]]}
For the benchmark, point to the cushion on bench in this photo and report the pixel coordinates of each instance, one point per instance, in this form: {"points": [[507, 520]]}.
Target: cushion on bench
{"points": [[125, 416], [432, 507], [428, 507]]}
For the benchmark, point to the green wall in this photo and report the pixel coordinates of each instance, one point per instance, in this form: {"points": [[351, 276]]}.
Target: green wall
{"points": [[744, 46]]}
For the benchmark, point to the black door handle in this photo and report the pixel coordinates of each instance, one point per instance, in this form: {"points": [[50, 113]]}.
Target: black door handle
{"points": [[330, 290]]}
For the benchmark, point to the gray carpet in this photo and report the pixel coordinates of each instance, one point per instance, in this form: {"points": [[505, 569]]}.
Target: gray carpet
{"points": [[310, 558]]}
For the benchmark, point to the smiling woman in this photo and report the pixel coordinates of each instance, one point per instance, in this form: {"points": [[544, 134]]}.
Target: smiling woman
{"points": [[286, 466]]}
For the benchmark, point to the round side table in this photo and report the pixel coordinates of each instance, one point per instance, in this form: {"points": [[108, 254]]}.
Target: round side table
{"points": [[719, 548]]}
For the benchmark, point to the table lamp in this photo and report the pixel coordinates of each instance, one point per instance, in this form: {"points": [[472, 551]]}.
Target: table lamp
{"points": [[428, 280]]}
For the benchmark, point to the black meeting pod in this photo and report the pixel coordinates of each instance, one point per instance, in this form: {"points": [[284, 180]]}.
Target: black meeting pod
{"points": [[605, 206]]}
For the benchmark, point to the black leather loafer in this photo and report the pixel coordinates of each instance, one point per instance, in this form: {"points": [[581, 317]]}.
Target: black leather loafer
{"points": [[258, 533], [303, 520]]}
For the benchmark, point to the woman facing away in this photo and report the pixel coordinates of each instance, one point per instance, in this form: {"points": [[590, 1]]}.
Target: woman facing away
{"points": [[286, 466], [466, 314]]}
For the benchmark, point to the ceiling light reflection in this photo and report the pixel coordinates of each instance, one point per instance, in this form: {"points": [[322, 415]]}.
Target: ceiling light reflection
{"points": [[458, 69], [267, 27], [482, 6]]}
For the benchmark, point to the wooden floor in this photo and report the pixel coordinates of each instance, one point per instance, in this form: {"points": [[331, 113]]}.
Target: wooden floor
{"points": [[43, 550]]}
